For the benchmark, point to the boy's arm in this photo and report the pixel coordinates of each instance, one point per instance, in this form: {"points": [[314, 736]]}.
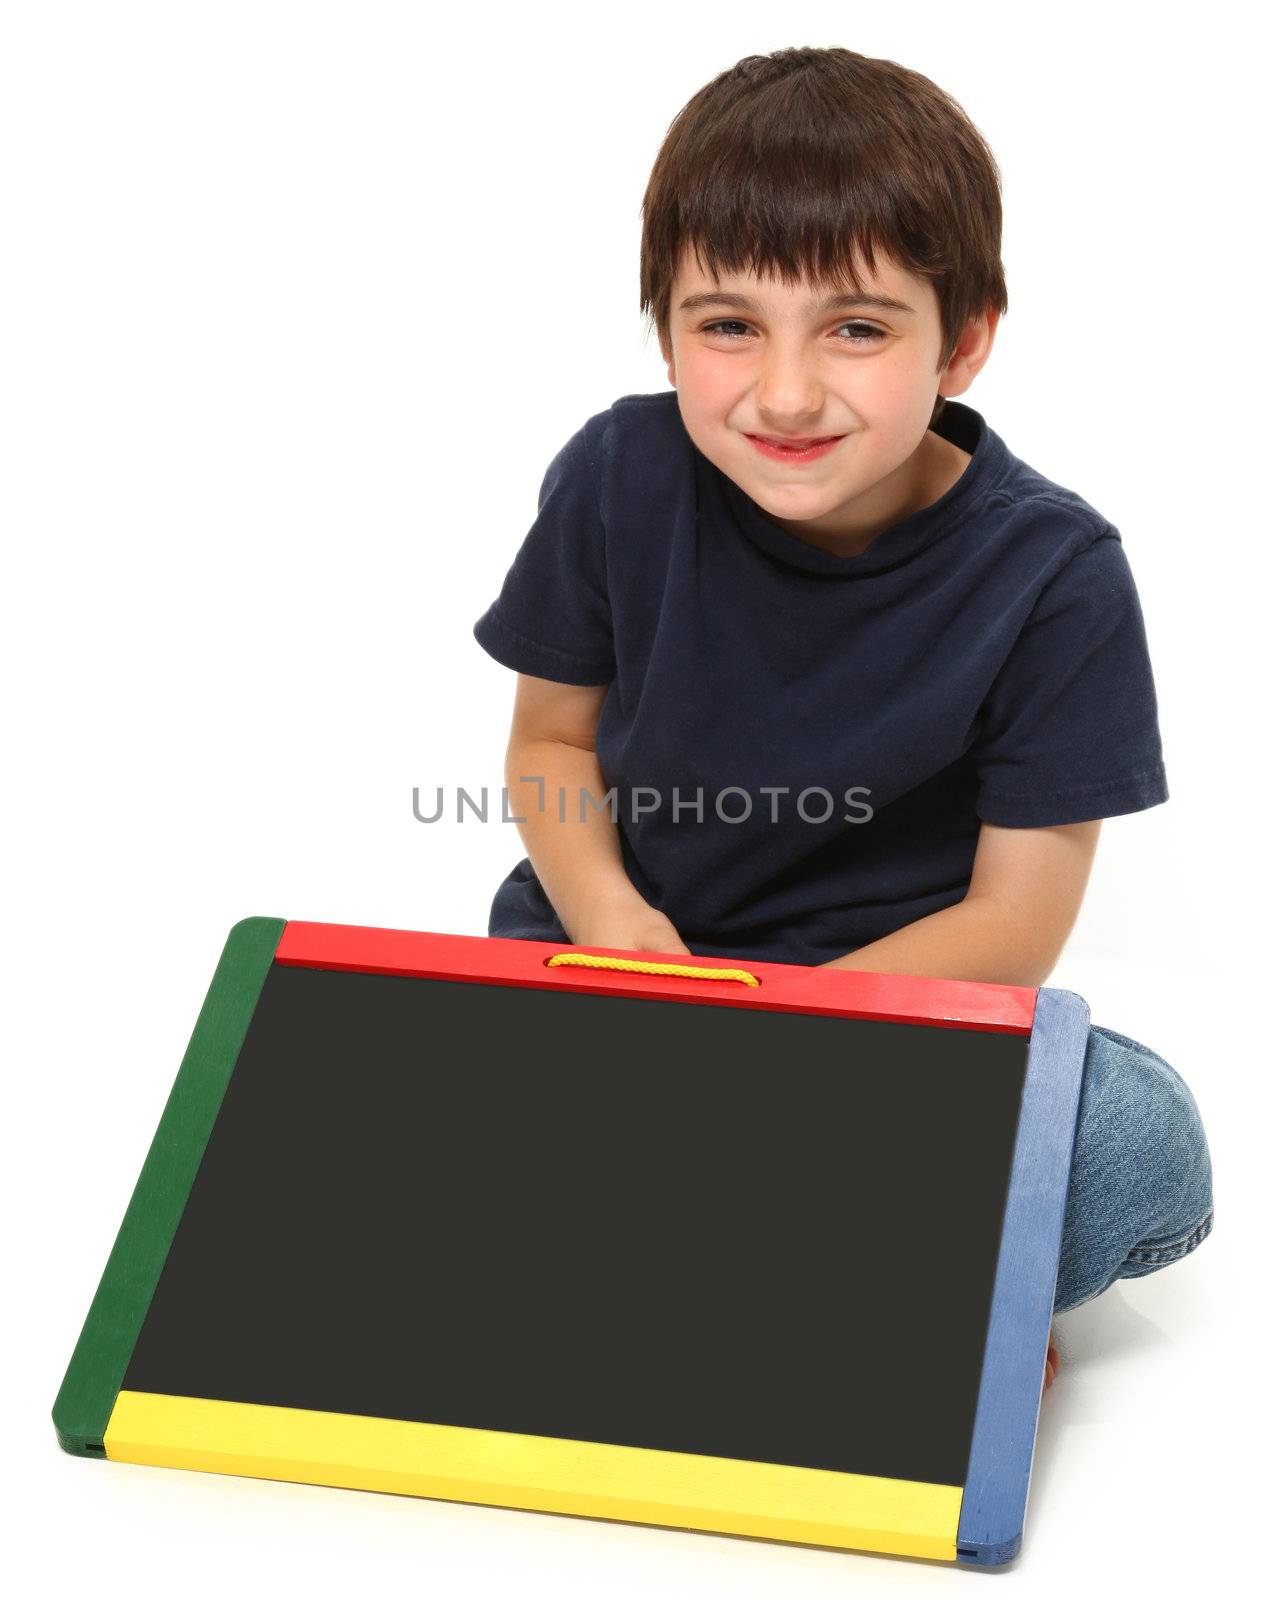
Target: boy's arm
{"points": [[1026, 890], [552, 744], [577, 862]]}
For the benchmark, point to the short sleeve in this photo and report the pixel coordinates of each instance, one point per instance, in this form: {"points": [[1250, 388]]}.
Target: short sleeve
{"points": [[552, 618], [1069, 729]]}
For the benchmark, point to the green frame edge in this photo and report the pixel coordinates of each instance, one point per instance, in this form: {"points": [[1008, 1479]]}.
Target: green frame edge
{"points": [[101, 1356]]}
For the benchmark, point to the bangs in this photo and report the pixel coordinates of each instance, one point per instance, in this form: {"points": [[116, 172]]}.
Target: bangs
{"points": [[817, 166]]}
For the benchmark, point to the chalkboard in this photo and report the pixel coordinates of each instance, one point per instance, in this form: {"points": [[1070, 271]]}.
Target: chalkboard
{"points": [[659, 1218]]}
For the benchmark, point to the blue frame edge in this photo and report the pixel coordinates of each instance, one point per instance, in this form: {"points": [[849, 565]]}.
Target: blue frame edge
{"points": [[995, 1495]]}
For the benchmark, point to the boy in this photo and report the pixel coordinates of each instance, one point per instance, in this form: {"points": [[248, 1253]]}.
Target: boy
{"points": [[810, 572]]}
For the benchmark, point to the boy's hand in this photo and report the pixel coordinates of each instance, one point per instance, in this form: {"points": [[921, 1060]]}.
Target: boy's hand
{"points": [[628, 923]]}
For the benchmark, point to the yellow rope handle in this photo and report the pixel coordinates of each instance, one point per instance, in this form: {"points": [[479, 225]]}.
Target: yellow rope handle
{"points": [[670, 969]]}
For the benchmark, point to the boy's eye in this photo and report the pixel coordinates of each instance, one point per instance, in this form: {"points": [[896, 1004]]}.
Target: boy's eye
{"points": [[863, 332]]}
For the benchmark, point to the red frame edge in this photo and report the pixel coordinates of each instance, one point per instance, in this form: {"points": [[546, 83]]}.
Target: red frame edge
{"points": [[825, 991]]}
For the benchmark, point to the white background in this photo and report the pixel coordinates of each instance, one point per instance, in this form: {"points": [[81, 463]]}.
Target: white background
{"points": [[298, 302]]}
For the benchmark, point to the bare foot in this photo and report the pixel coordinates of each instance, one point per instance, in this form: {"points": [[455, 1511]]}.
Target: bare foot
{"points": [[1052, 1362]]}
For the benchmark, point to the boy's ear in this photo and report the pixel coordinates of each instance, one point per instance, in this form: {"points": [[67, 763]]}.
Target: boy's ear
{"points": [[970, 354]]}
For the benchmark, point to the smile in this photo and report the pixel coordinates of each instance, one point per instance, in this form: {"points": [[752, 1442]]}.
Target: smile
{"points": [[812, 450]]}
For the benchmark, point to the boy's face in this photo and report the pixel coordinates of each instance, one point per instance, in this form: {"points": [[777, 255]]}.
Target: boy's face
{"points": [[758, 358]]}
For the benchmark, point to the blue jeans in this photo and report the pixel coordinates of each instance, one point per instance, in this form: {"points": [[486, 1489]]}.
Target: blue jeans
{"points": [[1140, 1192]]}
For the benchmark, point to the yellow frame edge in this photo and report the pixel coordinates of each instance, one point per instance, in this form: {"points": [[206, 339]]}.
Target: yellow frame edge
{"points": [[799, 1505]]}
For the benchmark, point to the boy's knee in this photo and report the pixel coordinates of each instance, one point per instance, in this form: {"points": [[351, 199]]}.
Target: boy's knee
{"points": [[1156, 1146], [1140, 1194]]}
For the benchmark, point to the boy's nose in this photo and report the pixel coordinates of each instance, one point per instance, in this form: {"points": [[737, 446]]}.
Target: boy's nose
{"points": [[790, 396]]}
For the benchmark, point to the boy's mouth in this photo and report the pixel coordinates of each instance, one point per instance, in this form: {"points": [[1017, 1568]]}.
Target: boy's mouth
{"points": [[781, 449]]}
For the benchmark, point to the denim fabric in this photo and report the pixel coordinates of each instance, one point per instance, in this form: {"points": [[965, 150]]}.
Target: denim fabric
{"points": [[1140, 1193]]}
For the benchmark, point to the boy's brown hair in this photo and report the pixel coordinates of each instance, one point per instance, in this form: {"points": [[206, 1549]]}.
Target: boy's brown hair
{"points": [[801, 162]]}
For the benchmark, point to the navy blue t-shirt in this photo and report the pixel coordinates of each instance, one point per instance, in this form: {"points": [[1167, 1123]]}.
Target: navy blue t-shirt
{"points": [[843, 723]]}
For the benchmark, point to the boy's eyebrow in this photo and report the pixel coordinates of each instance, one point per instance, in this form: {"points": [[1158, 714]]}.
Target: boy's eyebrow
{"points": [[835, 302]]}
